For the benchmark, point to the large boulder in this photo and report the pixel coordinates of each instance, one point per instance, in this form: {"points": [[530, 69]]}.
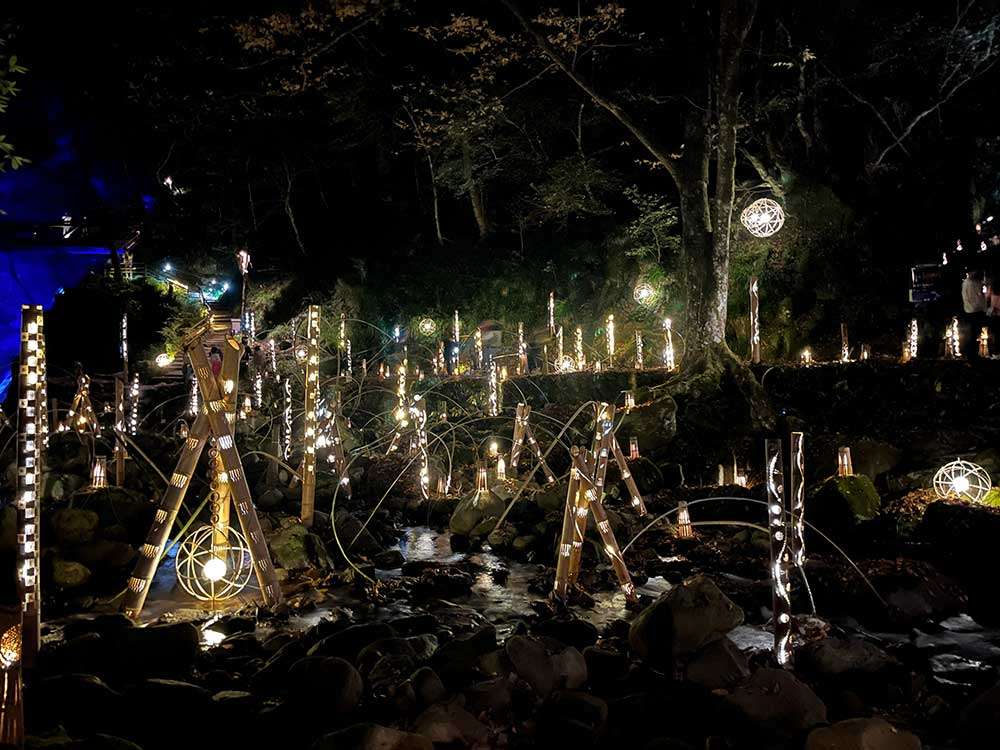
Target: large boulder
{"points": [[862, 734], [773, 700], [450, 724], [74, 525], [682, 621], [981, 718], [718, 665], [372, 737], [67, 574], [841, 502], [476, 514], [326, 683], [290, 546], [833, 657]]}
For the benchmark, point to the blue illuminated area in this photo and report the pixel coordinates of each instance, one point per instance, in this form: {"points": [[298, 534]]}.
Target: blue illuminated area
{"points": [[34, 275]]}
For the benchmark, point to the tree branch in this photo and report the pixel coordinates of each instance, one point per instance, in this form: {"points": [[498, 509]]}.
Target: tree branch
{"points": [[661, 154]]}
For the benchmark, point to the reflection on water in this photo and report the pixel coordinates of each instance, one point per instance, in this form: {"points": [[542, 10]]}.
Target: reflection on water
{"points": [[422, 543]]}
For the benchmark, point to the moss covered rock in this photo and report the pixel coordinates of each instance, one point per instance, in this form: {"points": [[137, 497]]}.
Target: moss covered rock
{"points": [[842, 502], [69, 575], [476, 514], [74, 525]]}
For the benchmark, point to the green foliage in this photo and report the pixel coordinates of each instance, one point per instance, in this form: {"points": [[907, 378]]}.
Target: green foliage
{"points": [[9, 70]]}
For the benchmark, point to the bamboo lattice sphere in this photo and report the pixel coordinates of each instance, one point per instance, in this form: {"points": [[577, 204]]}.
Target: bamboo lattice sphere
{"points": [[211, 571], [962, 479], [427, 327], [644, 293], [763, 217]]}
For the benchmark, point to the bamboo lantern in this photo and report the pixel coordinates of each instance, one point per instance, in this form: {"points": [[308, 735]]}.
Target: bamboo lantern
{"points": [[11, 691], [638, 351], [845, 347], [797, 500], [754, 321], [522, 351], [913, 338], [610, 329], [31, 406], [633, 448], [984, 343], [952, 344], [781, 603], [99, 473], [844, 466], [581, 360], [494, 391], [552, 313], [524, 434], [310, 422], [668, 345], [684, 529]]}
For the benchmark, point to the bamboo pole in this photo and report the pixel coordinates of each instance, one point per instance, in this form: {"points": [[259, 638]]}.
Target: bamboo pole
{"points": [[781, 603], [311, 403]]}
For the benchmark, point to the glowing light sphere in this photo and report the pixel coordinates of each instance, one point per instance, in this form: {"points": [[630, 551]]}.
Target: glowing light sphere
{"points": [[163, 360], [210, 571], [427, 327], [962, 479], [644, 293], [763, 217]]}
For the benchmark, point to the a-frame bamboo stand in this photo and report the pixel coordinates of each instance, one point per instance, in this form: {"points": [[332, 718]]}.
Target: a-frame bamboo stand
{"points": [[584, 496], [522, 434], [212, 422]]}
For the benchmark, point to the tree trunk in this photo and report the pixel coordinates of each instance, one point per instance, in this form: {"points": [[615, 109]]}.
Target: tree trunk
{"points": [[475, 191]]}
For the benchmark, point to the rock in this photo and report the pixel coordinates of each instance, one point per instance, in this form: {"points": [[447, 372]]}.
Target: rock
{"points": [[492, 696], [427, 686], [160, 649], [103, 555], [773, 700], [269, 499], [355, 538], [389, 560], [862, 734], [957, 533], [82, 703], [718, 665], [682, 621], [328, 683], [106, 625], [193, 702], [604, 666], [981, 718], [838, 656], [532, 663], [569, 630], [871, 457], [8, 529], [372, 737], [289, 545], [74, 525], [572, 718], [841, 502], [448, 723], [570, 668], [67, 574], [552, 497], [458, 657], [476, 514], [349, 642]]}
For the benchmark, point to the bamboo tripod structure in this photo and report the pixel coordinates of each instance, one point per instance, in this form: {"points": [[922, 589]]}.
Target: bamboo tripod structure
{"points": [[81, 416], [585, 496], [213, 422], [522, 434]]}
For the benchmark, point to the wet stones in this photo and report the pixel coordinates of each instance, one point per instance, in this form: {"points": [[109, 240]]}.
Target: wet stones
{"points": [[682, 621]]}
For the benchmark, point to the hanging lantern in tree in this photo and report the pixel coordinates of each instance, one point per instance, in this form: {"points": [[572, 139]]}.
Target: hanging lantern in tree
{"points": [[763, 217], [644, 293], [427, 327]]}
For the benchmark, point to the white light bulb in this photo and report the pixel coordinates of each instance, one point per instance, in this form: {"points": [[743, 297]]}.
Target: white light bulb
{"points": [[960, 484], [214, 570]]}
